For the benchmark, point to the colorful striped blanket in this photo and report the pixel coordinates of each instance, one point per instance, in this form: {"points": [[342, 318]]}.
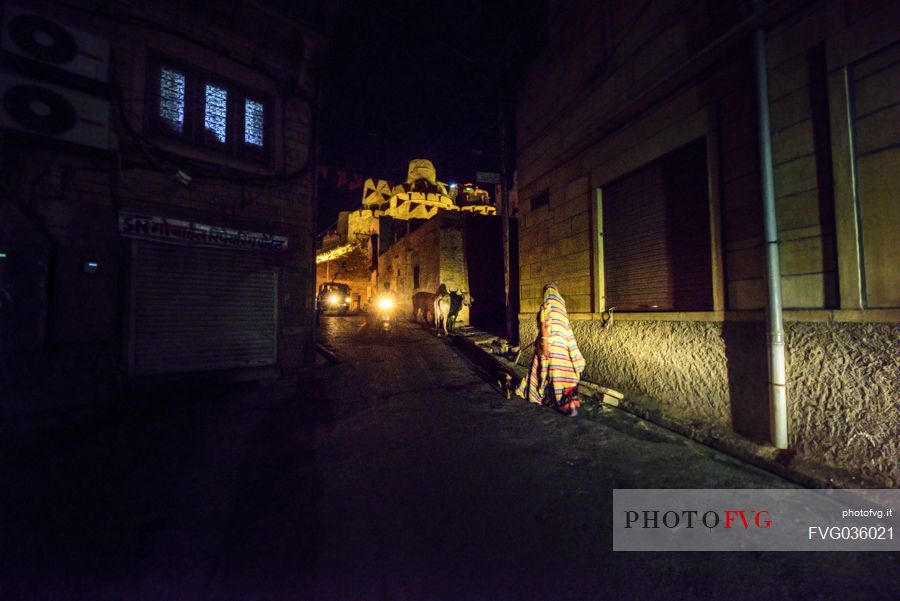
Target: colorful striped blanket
{"points": [[562, 366]]}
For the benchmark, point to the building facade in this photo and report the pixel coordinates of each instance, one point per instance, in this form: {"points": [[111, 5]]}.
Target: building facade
{"points": [[423, 258], [639, 190], [157, 211], [366, 241]]}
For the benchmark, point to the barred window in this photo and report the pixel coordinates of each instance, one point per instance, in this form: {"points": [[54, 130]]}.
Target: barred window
{"points": [[196, 107], [215, 115], [253, 122], [171, 98]]}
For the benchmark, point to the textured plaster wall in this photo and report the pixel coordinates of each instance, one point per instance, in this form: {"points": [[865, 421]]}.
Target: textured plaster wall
{"points": [[679, 365], [844, 390], [843, 409]]}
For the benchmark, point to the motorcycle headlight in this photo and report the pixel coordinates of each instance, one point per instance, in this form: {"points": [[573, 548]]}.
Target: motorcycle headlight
{"points": [[347, 300], [333, 299], [385, 304]]}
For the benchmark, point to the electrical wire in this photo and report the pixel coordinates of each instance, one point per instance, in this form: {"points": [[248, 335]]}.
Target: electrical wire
{"points": [[159, 27], [166, 160]]}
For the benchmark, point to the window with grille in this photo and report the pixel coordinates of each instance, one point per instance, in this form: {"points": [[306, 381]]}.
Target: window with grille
{"points": [[254, 113], [198, 108], [215, 113], [172, 98]]}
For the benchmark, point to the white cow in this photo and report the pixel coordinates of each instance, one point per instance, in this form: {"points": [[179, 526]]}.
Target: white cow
{"points": [[447, 306]]}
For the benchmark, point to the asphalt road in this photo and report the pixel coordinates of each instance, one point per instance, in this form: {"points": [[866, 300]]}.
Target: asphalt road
{"points": [[397, 474]]}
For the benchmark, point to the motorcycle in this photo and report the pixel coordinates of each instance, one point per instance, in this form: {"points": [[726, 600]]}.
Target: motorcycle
{"points": [[385, 314]]}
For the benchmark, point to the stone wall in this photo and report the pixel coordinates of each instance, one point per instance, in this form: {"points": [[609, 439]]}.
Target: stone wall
{"points": [[570, 153], [587, 117], [68, 198], [396, 265], [437, 247], [844, 395], [361, 224], [453, 260], [351, 269]]}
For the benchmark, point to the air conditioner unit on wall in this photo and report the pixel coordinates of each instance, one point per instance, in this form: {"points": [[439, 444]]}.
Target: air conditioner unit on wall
{"points": [[43, 109], [49, 42]]}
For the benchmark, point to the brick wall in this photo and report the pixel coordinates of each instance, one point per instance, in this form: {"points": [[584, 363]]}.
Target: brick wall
{"points": [[592, 111]]}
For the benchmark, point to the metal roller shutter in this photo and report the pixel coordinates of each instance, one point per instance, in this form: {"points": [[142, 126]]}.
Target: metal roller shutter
{"points": [[656, 248], [197, 308]]}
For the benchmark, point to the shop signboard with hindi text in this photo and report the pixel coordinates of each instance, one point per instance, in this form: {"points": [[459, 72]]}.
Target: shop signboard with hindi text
{"points": [[176, 231]]}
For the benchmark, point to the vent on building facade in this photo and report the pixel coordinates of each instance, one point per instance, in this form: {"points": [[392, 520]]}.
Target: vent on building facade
{"points": [[540, 200]]}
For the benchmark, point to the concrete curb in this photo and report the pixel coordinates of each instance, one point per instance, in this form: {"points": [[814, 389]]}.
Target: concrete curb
{"points": [[473, 343]]}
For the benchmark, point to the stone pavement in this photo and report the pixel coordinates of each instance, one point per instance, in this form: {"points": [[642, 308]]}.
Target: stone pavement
{"points": [[398, 473]]}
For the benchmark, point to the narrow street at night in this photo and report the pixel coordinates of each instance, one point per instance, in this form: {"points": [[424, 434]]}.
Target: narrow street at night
{"points": [[398, 473], [488, 300]]}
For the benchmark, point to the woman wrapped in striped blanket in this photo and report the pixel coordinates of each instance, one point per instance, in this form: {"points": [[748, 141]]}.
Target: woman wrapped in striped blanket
{"points": [[557, 364]]}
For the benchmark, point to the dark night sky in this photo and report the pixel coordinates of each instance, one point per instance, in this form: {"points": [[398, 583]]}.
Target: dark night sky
{"points": [[408, 79]]}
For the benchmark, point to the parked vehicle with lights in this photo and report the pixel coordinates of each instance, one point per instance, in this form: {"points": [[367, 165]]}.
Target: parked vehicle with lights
{"points": [[333, 298]]}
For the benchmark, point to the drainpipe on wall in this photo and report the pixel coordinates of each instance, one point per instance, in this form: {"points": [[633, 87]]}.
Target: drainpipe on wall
{"points": [[504, 223], [777, 392]]}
